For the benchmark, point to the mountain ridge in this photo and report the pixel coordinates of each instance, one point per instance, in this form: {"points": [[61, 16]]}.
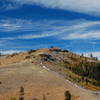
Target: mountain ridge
{"points": [[17, 57]]}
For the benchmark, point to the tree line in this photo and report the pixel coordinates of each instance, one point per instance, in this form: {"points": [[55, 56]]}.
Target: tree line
{"points": [[88, 70]]}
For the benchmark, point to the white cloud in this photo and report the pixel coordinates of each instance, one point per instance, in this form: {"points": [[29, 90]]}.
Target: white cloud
{"points": [[64, 30], [8, 25], [85, 35], [82, 6], [60, 29], [13, 25], [34, 36], [95, 54], [10, 51], [82, 31]]}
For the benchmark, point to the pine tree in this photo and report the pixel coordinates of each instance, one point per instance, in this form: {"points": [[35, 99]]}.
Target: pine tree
{"points": [[44, 98], [21, 93], [67, 95], [82, 55], [91, 55]]}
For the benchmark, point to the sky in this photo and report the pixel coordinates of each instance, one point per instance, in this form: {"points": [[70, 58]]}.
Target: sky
{"points": [[34, 24]]}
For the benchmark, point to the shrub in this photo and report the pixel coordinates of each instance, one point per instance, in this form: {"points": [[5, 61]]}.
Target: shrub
{"points": [[67, 95], [13, 99]]}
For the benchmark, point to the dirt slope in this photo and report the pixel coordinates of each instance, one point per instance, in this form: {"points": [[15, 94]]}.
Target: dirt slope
{"points": [[37, 82], [54, 54]]}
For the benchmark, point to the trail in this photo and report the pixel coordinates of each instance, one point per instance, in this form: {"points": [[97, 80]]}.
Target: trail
{"points": [[95, 95]]}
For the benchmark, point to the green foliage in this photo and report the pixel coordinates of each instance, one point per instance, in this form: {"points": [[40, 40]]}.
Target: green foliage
{"points": [[21, 93], [14, 54], [88, 71], [27, 57], [21, 98], [95, 58], [91, 55], [31, 51], [67, 95], [22, 90], [82, 55]]}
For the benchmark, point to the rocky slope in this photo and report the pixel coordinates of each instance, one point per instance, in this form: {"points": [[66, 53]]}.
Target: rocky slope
{"points": [[49, 54], [43, 72]]}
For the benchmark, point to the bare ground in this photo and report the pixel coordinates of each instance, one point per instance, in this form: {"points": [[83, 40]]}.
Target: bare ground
{"points": [[37, 82]]}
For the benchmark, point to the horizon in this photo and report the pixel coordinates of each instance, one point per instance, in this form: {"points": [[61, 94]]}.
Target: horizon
{"points": [[88, 54], [31, 24]]}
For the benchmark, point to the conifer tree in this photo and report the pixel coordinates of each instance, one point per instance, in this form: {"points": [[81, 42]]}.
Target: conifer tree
{"points": [[67, 95], [21, 93]]}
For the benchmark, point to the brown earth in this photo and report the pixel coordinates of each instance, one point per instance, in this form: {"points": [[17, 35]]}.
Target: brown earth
{"points": [[27, 70], [37, 82]]}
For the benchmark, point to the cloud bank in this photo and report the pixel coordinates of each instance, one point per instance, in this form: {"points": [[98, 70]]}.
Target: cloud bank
{"points": [[91, 7], [10, 52], [59, 29], [95, 54], [83, 35]]}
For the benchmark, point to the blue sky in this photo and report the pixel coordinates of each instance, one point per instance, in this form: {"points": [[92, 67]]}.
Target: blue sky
{"points": [[67, 24]]}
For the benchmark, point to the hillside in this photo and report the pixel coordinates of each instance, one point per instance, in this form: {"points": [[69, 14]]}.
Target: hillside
{"points": [[46, 71], [55, 53]]}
